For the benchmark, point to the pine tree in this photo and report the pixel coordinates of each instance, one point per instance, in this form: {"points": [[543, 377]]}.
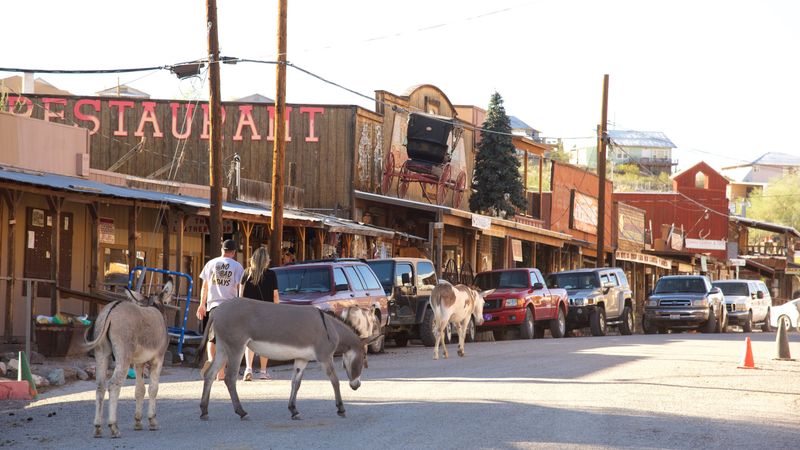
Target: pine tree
{"points": [[496, 179]]}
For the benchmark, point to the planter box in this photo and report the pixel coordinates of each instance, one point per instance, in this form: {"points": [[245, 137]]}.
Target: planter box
{"points": [[59, 340]]}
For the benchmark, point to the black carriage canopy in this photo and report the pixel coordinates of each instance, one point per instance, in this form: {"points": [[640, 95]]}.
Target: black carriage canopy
{"points": [[427, 137]]}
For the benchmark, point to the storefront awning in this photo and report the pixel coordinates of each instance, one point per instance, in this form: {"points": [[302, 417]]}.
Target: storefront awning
{"points": [[759, 267]]}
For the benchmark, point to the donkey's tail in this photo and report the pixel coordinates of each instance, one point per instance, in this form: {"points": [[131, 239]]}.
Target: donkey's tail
{"points": [[100, 327], [201, 349]]}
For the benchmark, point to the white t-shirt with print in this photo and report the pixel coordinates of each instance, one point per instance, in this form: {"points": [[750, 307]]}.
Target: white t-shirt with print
{"points": [[223, 276]]}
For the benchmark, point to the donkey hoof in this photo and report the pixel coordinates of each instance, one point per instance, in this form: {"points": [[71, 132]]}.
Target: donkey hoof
{"points": [[296, 416], [98, 431], [340, 413], [204, 416], [242, 415], [460, 353], [153, 425], [114, 430], [137, 426]]}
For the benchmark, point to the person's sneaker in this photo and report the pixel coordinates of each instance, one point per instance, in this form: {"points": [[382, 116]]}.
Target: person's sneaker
{"points": [[248, 375], [264, 375]]}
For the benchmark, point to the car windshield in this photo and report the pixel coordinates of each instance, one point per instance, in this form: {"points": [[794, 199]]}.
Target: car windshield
{"points": [[512, 279], [385, 272], [573, 281], [738, 289], [673, 285], [292, 281]]}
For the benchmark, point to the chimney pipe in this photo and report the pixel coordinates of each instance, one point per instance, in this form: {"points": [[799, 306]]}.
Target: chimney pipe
{"points": [[28, 83]]}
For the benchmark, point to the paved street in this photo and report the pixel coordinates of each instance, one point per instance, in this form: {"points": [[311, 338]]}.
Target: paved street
{"points": [[677, 391]]}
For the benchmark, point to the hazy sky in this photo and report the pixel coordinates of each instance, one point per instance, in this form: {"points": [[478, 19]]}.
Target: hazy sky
{"points": [[721, 79]]}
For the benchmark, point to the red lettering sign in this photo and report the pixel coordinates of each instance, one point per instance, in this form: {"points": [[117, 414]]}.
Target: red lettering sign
{"points": [[186, 121], [121, 105], [246, 119], [149, 115], [312, 137], [16, 103], [48, 112], [88, 117]]}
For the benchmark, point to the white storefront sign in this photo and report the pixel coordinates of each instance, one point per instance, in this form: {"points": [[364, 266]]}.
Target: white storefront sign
{"points": [[704, 244], [481, 222]]}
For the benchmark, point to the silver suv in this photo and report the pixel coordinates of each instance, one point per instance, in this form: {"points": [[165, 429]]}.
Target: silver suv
{"points": [[685, 302], [748, 302], [597, 298]]}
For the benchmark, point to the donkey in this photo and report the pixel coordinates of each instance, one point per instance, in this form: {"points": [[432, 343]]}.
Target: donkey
{"points": [[134, 333], [282, 332], [457, 304]]}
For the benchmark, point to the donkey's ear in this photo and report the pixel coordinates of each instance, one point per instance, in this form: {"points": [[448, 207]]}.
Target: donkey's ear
{"points": [[371, 339], [135, 297], [166, 292]]}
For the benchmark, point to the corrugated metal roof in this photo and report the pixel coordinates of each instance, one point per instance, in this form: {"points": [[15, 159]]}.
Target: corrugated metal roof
{"points": [[80, 185], [518, 124], [632, 138], [777, 159]]}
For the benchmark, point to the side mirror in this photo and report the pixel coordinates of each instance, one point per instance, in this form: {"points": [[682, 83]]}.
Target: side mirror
{"points": [[342, 287], [537, 286], [606, 289], [406, 279], [760, 294], [714, 290]]}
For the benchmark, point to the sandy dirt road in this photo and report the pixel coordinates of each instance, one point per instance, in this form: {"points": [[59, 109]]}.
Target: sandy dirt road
{"points": [[676, 391]]}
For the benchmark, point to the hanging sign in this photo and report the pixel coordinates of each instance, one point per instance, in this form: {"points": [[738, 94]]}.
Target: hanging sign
{"points": [[105, 230]]}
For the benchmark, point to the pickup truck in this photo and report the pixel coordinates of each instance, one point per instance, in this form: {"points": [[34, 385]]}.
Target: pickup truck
{"points": [[685, 302], [522, 300], [407, 283], [597, 298]]}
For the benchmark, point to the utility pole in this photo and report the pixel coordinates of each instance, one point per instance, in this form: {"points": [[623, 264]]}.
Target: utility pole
{"points": [[215, 132], [601, 172], [279, 148]]}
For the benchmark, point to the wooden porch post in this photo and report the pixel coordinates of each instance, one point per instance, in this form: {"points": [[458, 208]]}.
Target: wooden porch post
{"points": [[132, 236], [12, 199], [94, 214], [301, 253], [321, 235], [180, 224], [55, 203], [247, 231], [165, 236]]}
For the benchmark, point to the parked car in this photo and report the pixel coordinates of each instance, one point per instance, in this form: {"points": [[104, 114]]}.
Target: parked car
{"points": [[522, 300], [747, 302], [407, 283], [332, 285], [681, 302], [597, 298], [790, 312]]}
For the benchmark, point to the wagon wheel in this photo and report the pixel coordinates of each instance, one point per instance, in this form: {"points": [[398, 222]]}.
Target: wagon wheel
{"points": [[388, 174], [444, 184], [458, 189], [402, 182]]}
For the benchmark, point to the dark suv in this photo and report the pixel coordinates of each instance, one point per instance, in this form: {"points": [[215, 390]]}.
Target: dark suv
{"points": [[408, 283], [332, 285]]}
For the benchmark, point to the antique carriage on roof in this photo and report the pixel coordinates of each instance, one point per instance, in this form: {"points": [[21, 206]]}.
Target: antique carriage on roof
{"points": [[430, 144]]}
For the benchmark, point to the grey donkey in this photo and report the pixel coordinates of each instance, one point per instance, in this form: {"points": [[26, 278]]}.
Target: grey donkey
{"points": [[135, 332], [281, 332]]}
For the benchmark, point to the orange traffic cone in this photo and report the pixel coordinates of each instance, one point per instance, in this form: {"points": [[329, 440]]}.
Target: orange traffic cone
{"points": [[747, 359]]}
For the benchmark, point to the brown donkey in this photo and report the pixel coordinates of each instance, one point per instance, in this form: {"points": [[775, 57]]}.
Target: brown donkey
{"points": [[135, 332], [281, 332]]}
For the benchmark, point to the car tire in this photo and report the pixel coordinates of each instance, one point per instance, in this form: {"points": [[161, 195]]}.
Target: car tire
{"points": [[711, 324], [526, 328], [767, 327], [558, 326], [426, 329], [597, 322], [662, 330], [380, 345], [747, 326], [538, 330], [401, 340], [471, 331], [627, 326], [648, 327], [723, 324]]}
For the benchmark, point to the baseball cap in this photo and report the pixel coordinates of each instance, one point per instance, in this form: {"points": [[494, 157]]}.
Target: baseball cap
{"points": [[229, 244]]}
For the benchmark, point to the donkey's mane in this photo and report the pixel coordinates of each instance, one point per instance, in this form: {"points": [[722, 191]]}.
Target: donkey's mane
{"points": [[347, 333]]}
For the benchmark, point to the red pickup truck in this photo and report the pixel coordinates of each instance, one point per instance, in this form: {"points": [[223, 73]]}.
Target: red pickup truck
{"points": [[522, 300]]}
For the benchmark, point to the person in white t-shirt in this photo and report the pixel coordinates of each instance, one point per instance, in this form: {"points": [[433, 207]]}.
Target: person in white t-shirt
{"points": [[221, 278]]}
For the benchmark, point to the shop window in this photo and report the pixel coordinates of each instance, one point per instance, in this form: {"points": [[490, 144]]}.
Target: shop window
{"points": [[116, 268]]}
